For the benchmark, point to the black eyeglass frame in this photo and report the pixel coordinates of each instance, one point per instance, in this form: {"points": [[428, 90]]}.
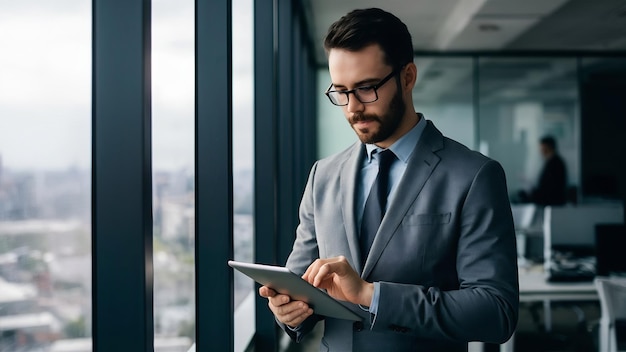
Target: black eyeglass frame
{"points": [[353, 91]]}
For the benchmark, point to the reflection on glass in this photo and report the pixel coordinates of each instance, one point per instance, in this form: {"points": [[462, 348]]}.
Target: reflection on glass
{"points": [[521, 100], [444, 94], [45, 175], [173, 173], [243, 166]]}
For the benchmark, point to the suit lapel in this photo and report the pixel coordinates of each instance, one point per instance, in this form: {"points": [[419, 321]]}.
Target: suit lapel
{"points": [[348, 176], [420, 166]]}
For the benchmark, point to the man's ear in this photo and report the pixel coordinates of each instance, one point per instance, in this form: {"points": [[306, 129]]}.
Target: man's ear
{"points": [[409, 76]]}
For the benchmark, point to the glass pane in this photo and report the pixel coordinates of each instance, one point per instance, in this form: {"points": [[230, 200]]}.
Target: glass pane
{"points": [[45, 175], [243, 166], [173, 77], [522, 100], [337, 133], [444, 93]]}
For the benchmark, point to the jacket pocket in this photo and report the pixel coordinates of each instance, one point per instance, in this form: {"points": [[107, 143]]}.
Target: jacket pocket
{"points": [[427, 219]]}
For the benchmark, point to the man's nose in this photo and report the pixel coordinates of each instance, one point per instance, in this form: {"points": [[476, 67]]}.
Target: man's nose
{"points": [[354, 105]]}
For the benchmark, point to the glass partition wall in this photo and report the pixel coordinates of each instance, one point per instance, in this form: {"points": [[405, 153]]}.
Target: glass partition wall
{"points": [[500, 106], [444, 93], [521, 100]]}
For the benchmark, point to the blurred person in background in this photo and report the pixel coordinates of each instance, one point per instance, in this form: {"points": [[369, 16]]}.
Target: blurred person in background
{"points": [[551, 188]]}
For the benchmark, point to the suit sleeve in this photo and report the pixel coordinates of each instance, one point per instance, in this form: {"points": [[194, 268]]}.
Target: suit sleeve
{"points": [[485, 305]]}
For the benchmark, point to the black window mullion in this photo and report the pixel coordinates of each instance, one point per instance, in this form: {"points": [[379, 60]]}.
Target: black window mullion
{"points": [[287, 149], [305, 106], [265, 170], [121, 177], [213, 177]]}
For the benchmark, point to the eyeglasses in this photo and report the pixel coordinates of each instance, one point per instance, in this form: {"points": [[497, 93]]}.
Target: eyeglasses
{"points": [[365, 94]]}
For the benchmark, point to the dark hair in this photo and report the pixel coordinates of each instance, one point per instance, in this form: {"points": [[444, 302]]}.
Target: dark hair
{"points": [[549, 141], [361, 28]]}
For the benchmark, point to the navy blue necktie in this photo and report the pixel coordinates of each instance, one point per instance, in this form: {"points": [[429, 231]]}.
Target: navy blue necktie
{"points": [[376, 203]]}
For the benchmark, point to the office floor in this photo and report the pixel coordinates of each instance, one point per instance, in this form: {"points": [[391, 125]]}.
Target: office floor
{"points": [[567, 334]]}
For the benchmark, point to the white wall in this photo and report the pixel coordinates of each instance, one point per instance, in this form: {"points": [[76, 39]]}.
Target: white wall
{"points": [[334, 132]]}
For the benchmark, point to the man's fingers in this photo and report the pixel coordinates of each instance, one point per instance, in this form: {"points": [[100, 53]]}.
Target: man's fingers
{"points": [[273, 297], [291, 309], [266, 292], [327, 270], [314, 274], [311, 271], [322, 274], [299, 318], [293, 313], [279, 300]]}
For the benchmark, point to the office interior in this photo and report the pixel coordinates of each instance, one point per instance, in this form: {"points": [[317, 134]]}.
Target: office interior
{"points": [[143, 144]]}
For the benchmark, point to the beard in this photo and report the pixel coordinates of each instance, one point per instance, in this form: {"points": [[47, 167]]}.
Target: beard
{"points": [[387, 123]]}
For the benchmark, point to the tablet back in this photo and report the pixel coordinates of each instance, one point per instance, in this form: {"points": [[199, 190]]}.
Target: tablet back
{"points": [[284, 281]]}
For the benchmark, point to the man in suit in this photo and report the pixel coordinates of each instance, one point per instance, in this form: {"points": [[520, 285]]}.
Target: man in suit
{"points": [[552, 186], [441, 268]]}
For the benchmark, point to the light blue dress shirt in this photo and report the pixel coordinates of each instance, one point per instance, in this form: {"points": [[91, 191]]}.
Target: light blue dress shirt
{"points": [[402, 148]]}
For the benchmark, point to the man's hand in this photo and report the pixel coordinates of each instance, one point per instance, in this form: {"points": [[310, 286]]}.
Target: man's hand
{"points": [[337, 277], [289, 312]]}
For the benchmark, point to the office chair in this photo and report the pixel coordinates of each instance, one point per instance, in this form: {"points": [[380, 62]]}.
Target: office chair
{"points": [[612, 293]]}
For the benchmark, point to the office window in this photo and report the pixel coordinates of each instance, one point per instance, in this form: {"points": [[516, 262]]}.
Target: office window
{"points": [[444, 93], [45, 174], [243, 166], [173, 94], [521, 100]]}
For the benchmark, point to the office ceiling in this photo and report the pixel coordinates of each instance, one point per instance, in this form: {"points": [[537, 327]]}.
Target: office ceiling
{"points": [[460, 25]]}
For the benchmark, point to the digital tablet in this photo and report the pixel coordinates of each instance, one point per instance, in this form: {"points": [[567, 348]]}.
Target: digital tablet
{"points": [[282, 280]]}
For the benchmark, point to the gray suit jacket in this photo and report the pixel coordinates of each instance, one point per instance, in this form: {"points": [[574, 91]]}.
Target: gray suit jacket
{"points": [[444, 254]]}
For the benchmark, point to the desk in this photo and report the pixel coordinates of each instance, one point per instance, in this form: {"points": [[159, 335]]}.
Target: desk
{"points": [[533, 287]]}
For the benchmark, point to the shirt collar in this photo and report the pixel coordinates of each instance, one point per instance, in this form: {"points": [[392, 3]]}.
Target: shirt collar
{"points": [[403, 147]]}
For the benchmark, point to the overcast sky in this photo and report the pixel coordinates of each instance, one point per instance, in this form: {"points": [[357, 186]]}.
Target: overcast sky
{"points": [[45, 84]]}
